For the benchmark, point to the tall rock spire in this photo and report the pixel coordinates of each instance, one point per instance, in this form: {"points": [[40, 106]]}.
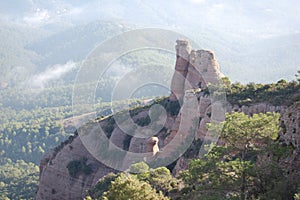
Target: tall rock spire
{"points": [[194, 69], [183, 50], [202, 69]]}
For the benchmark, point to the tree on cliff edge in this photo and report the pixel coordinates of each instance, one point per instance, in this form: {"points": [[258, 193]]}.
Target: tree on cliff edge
{"points": [[244, 167]]}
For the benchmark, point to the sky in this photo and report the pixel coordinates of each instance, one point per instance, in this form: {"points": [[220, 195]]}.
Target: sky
{"points": [[228, 27], [266, 16]]}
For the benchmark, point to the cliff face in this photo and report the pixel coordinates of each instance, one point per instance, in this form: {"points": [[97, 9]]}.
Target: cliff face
{"points": [[194, 71], [56, 182], [183, 50], [290, 122]]}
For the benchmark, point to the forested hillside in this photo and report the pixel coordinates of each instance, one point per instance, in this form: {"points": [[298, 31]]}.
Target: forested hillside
{"points": [[250, 164], [43, 45], [28, 131]]}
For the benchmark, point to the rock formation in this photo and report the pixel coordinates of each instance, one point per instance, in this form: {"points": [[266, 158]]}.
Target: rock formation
{"points": [[290, 134], [194, 71], [55, 181], [290, 122], [183, 50], [152, 145]]}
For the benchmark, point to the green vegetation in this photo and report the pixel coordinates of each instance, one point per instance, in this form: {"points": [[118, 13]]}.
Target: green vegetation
{"points": [[280, 93], [126, 142], [172, 107], [143, 121], [109, 126], [32, 119], [27, 135], [32, 123], [79, 166], [162, 180], [247, 166], [146, 184], [18, 180], [139, 168], [102, 186], [129, 187]]}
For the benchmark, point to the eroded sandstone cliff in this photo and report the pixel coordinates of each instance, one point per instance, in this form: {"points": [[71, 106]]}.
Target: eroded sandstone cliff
{"points": [[71, 169]]}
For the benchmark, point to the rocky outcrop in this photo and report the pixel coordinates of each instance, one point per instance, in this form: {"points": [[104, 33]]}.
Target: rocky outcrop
{"points": [[194, 70], [290, 123], [183, 50], [290, 135], [55, 179], [152, 145]]}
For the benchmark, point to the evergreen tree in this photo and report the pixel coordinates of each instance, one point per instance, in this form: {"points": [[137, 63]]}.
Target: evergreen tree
{"points": [[243, 168], [128, 187]]}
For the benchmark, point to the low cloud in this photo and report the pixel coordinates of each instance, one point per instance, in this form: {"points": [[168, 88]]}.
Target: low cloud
{"points": [[53, 73], [39, 16], [197, 1]]}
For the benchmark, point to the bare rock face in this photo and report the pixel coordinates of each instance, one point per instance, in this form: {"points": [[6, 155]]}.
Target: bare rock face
{"points": [[117, 137], [203, 69], [137, 144], [183, 125], [152, 145], [68, 171], [55, 180], [182, 62], [290, 121], [193, 69], [182, 164], [290, 134]]}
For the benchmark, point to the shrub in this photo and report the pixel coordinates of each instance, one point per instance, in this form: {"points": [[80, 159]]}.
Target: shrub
{"points": [[102, 185], [77, 166], [129, 187], [143, 121], [126, 142]]}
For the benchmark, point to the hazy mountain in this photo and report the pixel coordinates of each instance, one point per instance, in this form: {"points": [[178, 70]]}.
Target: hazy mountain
{"points": [[254, 41], [74, 43]]}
